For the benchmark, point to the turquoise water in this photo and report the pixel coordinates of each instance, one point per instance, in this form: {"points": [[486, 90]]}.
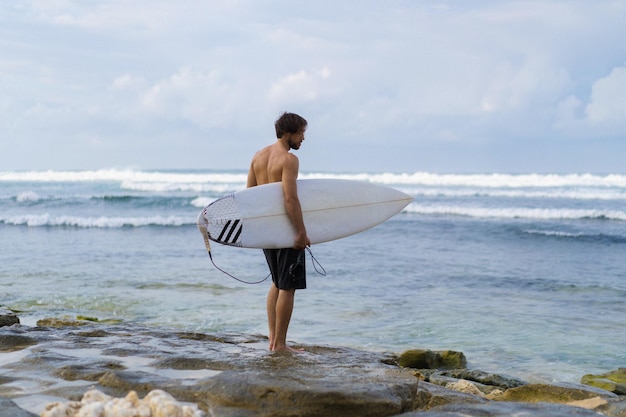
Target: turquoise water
{"points": [[523, 273]]}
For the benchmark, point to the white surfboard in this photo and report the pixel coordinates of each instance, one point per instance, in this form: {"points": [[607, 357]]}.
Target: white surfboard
{"points": [[331, 208]]}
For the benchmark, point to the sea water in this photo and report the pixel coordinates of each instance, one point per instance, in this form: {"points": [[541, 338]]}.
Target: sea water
{"points": [[525, 274]]}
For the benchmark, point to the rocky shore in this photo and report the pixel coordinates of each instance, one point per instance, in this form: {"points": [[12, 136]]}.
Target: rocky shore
{"points": [[84, 367]]}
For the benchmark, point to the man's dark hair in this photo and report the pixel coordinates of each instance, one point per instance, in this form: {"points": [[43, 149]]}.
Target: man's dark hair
{"points": [[289, 123]]}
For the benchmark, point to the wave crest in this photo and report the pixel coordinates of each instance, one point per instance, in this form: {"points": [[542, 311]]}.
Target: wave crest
{"points": [[43, 220]]}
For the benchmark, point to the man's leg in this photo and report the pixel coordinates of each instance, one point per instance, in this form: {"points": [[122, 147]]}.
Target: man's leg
{"points": [[284, 308], [272, 299]]}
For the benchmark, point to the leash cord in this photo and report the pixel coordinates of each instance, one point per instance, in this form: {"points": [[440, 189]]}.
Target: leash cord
{"points": [[205, 234], [316, 265]]}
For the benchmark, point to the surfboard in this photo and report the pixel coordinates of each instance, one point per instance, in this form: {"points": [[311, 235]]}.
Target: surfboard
{"points": [[331, 208]]}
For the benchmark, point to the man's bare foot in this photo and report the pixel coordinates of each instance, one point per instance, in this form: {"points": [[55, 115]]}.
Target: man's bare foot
{"points": [[286, 348]]}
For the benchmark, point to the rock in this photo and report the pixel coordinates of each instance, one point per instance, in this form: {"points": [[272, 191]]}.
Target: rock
{"points": [[614, 408], [94, 403], [484, 378], [61, 322], [9, 409], [452, 360], [488, 385], [614, 381], [235, 375], [12, 342], [418, 359], [304, 390], [432, 395], [88, 369], [142, 382], [8, 318], [506, 409], [226, 374], [60, 409], [427, 359], [464, 386], [561, 393], [589, 404]]}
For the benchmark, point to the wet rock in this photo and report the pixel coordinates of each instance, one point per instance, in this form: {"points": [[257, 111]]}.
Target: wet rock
{"points": [[465, 386], [507, 409], [9, 409], [235, 375], [589, 404], [8, 317], [120, 382], [431, 395], [427, 359], [61, 322], [305, 391], [485, 379], [12, 342], [613, 408], [558, 393], [88, 369], [224, 374], [614, 381]]}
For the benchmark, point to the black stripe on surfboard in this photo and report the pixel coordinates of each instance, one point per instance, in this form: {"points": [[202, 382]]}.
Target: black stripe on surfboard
{"points": [[219, 238], [238, 233], [230, 233]]}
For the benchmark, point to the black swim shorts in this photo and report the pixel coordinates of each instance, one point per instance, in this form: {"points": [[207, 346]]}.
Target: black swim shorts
{"points": [[288, 268]]}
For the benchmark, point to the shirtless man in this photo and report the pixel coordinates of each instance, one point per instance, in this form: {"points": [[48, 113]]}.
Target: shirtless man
{"points": [[275, 163]]}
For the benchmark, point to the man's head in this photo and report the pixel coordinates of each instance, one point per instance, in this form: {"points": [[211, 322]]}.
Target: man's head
{"points": [[289, 123]]}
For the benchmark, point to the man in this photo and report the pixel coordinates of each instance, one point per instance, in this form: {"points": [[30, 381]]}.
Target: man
{"points": [[275, 163]]}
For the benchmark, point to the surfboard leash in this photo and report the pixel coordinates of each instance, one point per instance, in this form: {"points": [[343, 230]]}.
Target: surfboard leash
{"points": [[207, 243], [321, 271]]}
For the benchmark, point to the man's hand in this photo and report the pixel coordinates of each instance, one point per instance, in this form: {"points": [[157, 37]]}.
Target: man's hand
{"points": [[302, 241]]}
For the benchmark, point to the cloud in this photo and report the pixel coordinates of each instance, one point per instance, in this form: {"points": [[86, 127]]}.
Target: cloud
{"points": [[608, 99], [601, 114], [202, 98], [300, 86], [127, 82], [400, 75]]}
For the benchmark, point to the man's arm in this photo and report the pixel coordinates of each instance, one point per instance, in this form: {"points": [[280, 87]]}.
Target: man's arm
{"points": [[292, 202], [252, 182]]}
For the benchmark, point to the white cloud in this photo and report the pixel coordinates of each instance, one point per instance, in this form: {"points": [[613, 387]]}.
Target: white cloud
{"points": [[406, 73], [300, 86], [608, 99], [128, 82], [568, 111], [202, 98]]}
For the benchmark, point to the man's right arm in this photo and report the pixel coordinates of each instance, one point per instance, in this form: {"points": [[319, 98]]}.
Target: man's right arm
{"points": [[292, 202], [252, 182]]}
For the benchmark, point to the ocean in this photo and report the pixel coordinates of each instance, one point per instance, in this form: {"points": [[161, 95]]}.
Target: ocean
{"points": [[525, 274]]}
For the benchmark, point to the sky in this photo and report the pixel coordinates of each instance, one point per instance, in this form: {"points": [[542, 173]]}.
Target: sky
{"points": [[475, 86]]}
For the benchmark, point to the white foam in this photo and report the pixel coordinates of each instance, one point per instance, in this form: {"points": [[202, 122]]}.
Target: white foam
{"points": [[27, 197], [39, 220], [486, 180], [123, 175], [201, 202], [517, 212], [239, 178], [555, 233], [572, 194], [199, 187]]}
